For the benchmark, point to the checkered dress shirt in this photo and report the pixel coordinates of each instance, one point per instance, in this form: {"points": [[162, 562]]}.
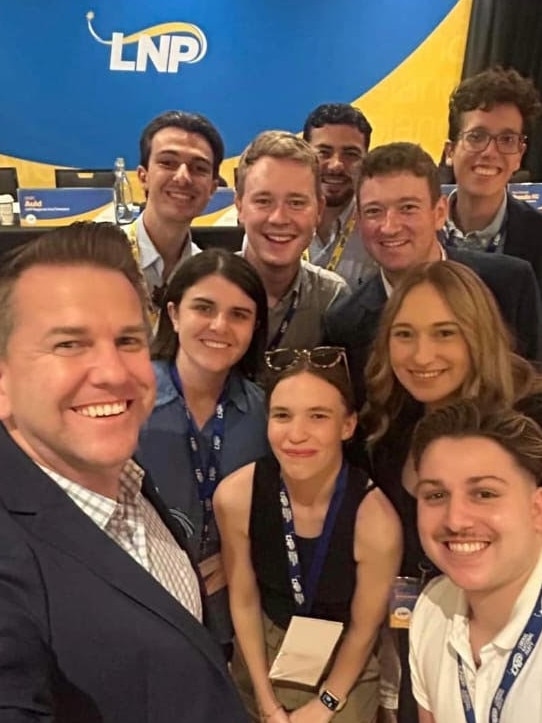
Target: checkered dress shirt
{"points": [[132, 522]]}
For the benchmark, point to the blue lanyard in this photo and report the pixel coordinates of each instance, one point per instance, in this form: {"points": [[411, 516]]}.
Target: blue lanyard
{"points": [[206, 477], [516, 662], [285, 323], [304, 593]]}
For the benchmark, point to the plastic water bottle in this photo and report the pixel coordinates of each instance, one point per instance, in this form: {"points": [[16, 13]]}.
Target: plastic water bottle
{"points": [[124, 209]]}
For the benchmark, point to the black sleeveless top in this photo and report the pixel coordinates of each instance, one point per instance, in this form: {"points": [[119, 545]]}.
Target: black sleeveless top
{"points": [[269, 556]]}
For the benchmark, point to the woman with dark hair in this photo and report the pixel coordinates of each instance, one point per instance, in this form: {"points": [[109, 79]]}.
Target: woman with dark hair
{"points": [[209, 417], [304, 534]]}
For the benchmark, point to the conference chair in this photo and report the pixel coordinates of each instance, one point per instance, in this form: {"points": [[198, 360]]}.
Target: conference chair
{"points": [[9, 183], [84, 178]]}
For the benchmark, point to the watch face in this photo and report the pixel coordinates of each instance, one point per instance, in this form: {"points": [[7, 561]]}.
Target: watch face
{"points": [[329, 700]]}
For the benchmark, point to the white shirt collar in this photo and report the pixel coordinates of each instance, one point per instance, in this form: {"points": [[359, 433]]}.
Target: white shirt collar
{"points": [[388, 288]]}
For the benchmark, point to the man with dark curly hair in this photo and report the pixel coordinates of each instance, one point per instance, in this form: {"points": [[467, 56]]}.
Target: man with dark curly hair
{"points": [[490, 117]]}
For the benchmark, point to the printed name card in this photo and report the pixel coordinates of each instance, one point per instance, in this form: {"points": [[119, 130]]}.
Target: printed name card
{"points": [[62, 206]]}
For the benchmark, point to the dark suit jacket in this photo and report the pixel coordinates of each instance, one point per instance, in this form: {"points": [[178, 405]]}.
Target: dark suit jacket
{"points": [[353, 322], [86, 634], [524, 234]]}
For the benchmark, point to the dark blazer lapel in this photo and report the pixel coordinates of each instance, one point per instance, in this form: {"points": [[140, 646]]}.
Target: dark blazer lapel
{"points": [[523, 231], [372, 294], [47, 513]]}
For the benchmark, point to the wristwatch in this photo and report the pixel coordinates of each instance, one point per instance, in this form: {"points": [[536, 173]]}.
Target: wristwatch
{"points": [[330, 700]]}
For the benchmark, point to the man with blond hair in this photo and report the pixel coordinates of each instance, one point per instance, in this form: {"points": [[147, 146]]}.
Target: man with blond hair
{"points": [[279, 201]]}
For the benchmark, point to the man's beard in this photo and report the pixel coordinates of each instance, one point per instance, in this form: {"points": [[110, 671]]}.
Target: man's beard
{"points": [[337, 201]]}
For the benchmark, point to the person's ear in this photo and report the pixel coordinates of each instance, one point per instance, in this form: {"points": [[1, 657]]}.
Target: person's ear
{"points": [[5, 402], [349, 426], [173, 313], [537, 509], [142, 177], [239, 206], [441, 212]]}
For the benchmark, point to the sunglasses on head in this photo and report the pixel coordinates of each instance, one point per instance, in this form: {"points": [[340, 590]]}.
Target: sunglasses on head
{"points": [[321, 357]]}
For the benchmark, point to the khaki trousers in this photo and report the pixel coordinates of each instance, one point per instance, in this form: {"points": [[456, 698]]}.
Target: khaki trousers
{"points": [[362, 702]]}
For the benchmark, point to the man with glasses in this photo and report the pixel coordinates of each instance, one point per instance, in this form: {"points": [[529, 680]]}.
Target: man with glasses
{"points": [[489, 116], [340, 134], [401, 213]]}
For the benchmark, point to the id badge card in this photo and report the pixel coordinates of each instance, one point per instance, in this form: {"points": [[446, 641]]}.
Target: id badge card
{"points": [[305, 652], [403, 598], [212, 571]]}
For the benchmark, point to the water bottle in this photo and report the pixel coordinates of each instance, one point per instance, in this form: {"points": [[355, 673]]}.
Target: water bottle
{"points": [[124, 209]]}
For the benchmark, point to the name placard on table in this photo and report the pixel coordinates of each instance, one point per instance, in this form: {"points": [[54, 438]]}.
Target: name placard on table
{"points": [[529, 192], [62, 206]]}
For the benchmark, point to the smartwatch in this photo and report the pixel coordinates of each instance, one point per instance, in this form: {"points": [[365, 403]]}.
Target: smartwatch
{"points": [[330, 700]]}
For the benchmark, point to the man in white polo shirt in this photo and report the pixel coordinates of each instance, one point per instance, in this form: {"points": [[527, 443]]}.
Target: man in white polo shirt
{"points": [[475, 653]]}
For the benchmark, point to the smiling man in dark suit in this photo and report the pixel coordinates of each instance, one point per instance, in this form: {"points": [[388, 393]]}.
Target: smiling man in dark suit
{"points": [[100, 607], [401, 209], [490, 117]]}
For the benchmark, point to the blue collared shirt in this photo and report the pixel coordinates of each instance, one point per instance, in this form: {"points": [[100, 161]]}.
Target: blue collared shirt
{"points": [[151, 263], [163, 442]]}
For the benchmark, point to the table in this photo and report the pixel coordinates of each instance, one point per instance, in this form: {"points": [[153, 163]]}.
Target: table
{"points": [[228, 237]]}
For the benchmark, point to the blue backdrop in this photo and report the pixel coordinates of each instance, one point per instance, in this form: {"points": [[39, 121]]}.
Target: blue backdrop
{"points": [[266, 65]]}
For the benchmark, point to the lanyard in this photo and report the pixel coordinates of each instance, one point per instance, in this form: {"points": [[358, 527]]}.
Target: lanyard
{"points": [[206, 477], [346, 230], [339, 243], [285, 323], [516, 662], [304, 593], [153, 311]]}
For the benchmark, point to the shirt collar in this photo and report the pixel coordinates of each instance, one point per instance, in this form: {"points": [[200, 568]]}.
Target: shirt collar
{"points": [[148, 252], [149, 255], [507, 638], [339, 223], [130, 483], [166, 391], [388, 288], [347, 212], [299, 279], [485, 235]]}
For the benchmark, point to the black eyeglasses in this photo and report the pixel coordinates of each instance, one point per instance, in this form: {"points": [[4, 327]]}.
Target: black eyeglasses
{"points": [[321, 357], [478, 140]]}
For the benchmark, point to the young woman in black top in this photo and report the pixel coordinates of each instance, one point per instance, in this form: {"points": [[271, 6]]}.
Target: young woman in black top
{"points": [[336, 517]]}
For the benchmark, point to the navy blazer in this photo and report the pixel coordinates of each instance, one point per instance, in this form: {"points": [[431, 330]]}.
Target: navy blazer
{"points": [[524, 234], [86, 634], [353, 322]]}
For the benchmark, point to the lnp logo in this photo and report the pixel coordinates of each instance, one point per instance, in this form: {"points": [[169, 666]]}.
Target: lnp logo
{"points": [[179, 43]]}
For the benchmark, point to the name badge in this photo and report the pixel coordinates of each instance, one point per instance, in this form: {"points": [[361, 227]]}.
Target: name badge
{"points": [[403, 599], [305, 652]]}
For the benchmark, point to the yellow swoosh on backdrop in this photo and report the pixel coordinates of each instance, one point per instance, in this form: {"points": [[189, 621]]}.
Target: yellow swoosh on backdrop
{"points": [[163, 29]]}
